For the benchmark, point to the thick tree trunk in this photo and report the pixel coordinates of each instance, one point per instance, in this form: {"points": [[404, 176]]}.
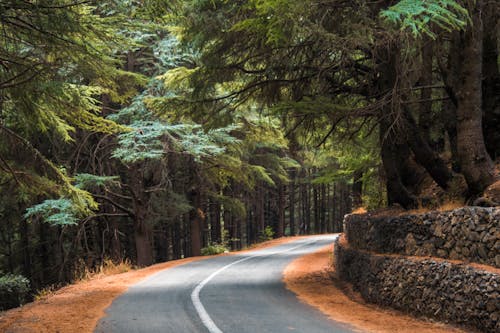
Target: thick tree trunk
{"points": [[195, 223], [393, 150], [143, 244], [491, 78], [425, 155], [425, 112], [391, 153], [476, 165]]}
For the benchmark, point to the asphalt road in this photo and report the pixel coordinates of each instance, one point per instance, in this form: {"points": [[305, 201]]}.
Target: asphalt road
{"points": [[242, 293]]}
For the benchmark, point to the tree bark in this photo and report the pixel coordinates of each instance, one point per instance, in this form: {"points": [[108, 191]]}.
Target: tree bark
{"points": [[280, 232], [425, 111], [491, 78], [292, 187], [476, 165], [425, 155], [195, 223], [357, 188], [393, 150]]}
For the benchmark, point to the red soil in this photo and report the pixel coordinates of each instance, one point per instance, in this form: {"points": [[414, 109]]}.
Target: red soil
{"points": [[78, 307], [311, 278]]}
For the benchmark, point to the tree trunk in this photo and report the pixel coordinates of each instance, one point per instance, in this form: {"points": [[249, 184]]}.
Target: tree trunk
{"points": [[280, 232], [215, 223], [393, 151], [476, 165], [322, 211], [491, 78], [425, 112], [292, 187], [143, 244], [425, 155], [357, 188], [315, 195], [195, 223]]}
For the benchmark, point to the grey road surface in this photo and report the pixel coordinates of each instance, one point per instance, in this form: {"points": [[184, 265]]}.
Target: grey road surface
{"points": [[243, 293]]}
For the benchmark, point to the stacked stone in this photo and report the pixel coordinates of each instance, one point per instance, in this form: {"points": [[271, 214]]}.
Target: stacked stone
{"points": [[441, 290], [450, 292], [471, 234]]}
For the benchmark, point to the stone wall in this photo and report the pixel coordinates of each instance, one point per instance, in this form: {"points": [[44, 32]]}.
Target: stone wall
{"points": [[431, 288], [469, 233]]}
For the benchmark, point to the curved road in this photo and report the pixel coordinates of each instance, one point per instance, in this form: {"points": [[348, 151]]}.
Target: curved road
{"points": [[242, 293]]}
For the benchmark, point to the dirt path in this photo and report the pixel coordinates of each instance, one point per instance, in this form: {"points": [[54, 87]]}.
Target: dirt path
{"points": [[310, 278]]}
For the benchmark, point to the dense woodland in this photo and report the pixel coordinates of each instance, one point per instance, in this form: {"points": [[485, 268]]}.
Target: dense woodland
{"points": [[151, 130]]}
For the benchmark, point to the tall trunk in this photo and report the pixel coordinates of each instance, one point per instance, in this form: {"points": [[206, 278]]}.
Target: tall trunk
{"points": [[280, 232], [335, 207], [261, 210], [449, 111], [176, 240], [491, 78], [25, 242], [476, 164], [317, 221], [393, 149], [322, 211], [215, 222], [425, 155], [142, 236], [195, 223], [142, 228], [307, 207], [425, 112], [357, 188], [116, 252], [292, 187], [391, 152]]}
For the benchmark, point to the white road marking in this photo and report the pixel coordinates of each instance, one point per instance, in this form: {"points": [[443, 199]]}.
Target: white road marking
{"points": [[195, 295]]}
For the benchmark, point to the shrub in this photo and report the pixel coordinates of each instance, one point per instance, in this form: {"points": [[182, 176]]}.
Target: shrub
{"points": [[213, 248], [14, 291], [266, 234]]}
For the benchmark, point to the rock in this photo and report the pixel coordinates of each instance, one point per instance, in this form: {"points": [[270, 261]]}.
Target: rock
{"points": [[474, 236]]}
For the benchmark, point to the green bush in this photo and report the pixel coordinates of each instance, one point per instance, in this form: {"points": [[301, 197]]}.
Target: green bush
{"points": [[14, 291], [213, 249], [266, 234]]}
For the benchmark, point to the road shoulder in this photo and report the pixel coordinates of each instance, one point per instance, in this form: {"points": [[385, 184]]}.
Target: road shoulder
{"points": [[78, 307], [310, 278]]}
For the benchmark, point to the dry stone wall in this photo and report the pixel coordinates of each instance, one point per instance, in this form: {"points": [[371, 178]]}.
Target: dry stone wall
{"points": [[431, 288], [469, 234], [375, 260]]}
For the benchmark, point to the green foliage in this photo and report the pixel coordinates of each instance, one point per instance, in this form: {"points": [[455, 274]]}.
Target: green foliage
{"points": [[214, 249], [56, 212], [266, 234], [87, 181], [14, 290], [418, 16], [150, 140]]}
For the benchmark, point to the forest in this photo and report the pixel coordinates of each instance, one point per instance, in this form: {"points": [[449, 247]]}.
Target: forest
{"points": [[152, 130]]}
